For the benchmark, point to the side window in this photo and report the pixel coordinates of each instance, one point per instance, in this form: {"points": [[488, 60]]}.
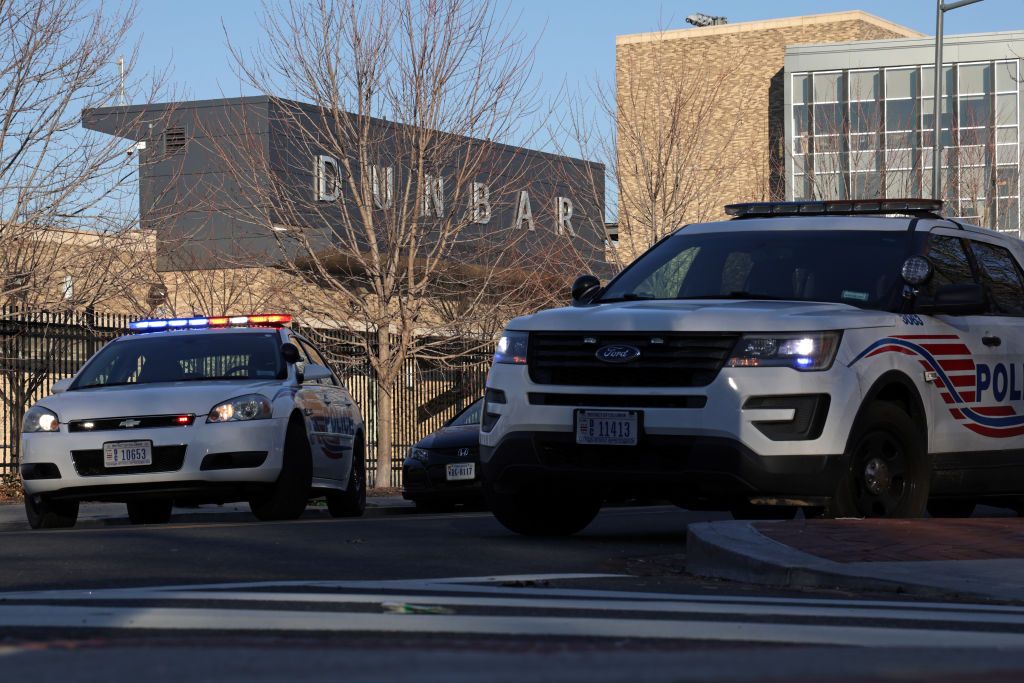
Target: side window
{"points": [[949, 261], [315, 357], [1001, 276]]}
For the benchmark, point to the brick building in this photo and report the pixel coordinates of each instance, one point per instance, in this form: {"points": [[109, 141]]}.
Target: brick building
{"points": [[700, 116]]}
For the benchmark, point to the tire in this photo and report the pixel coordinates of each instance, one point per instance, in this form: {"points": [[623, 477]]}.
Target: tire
{"points": [[746, 510], [288, 496], [150, 511], [888, 473], [352, 501], [51, 514], [951, 508], [543, 513]]}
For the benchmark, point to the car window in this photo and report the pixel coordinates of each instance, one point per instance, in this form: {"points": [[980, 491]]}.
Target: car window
{"points": [[469, 416], [316, 357], [950, 265], [1001, 276], [171, 357], [856, 267]]}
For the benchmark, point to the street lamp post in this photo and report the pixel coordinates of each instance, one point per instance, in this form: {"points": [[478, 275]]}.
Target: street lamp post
{"points": [[940, 10]]}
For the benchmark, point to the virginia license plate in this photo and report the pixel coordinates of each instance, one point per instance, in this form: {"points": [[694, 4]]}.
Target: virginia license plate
{"points": [[606, 427], [461, 471], [127, 453]]}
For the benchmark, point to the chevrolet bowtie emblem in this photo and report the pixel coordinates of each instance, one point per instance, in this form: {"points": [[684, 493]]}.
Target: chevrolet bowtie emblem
{"points": [[129, 423]]}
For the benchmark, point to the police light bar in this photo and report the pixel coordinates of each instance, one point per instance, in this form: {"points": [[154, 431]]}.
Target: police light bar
{"points": [[912, 207], [194, 323]]}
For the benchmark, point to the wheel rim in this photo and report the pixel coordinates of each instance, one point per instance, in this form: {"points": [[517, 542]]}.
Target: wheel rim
{"points": [[881, 483]]}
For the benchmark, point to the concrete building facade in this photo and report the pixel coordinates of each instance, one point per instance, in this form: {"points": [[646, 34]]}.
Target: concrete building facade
{"points": [[860, 119]]}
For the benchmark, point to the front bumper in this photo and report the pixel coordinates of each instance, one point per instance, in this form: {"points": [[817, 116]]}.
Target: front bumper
{"points": [[224, 460], [428, 481]]}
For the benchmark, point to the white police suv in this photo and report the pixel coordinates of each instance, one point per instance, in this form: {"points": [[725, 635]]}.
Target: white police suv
{"points": [[204, 409], [854, 358]]}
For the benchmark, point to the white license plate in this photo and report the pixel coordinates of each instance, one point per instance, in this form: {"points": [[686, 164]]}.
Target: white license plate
{"points": [[606, 427], [127, 453], [461, 471]]}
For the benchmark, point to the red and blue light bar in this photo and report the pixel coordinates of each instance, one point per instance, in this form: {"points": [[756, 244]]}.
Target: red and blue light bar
{"points": [[913, 207], [200, 322]]}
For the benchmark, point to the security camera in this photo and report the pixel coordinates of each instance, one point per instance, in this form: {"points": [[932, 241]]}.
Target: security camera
{"points": [[137, 147]]}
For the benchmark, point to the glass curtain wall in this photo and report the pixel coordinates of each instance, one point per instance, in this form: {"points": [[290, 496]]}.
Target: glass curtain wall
{"points": [[867, 133]]}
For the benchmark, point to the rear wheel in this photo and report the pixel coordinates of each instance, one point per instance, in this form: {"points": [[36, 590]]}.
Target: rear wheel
{"points": [[951, 508], [543, 513], [150, 511], [50, 514], [352, 501], [888, 475], [288, 496]]}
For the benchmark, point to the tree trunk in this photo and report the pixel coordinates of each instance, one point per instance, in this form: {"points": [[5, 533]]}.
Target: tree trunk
{"points": [[385, 423]]}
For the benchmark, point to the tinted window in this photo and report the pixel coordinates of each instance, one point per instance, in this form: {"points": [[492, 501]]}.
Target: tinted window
{"points": [[469, 416], [949, 262], [1001, 277], [315, 357], [170, 357], [860, 268]]}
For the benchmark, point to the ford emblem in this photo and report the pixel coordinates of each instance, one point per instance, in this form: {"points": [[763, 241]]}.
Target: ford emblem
{"points": [[618, 353]]}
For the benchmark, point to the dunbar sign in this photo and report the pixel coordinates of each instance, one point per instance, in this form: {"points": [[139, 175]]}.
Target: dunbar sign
{"points": [[204, 217], [328, 188]]}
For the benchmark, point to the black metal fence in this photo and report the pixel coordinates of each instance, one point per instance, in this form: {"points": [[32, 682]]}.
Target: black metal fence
{"points": [[38, 348]]}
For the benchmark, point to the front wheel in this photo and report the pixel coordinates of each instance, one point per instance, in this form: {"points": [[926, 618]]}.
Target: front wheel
{"points": [[50, 514], [352, 501], [288, 496], [150, 511], [543, 513], [888, 474]]}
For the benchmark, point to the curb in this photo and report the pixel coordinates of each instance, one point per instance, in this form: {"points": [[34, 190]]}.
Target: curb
{"points": [[737, 551]]}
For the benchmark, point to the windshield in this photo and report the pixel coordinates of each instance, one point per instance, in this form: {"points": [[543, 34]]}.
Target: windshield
{"points": [[469, 416], [860, 268], [176, 358]]}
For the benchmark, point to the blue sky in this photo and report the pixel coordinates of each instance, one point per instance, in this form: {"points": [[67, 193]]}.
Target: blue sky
{"points": [[577, 37]]}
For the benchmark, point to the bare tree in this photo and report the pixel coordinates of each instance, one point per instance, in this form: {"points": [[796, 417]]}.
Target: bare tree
{"points": [[421, 226]]}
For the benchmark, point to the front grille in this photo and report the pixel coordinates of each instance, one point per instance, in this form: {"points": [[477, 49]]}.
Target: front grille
{"points": [[616, 401], [122, 423], [665, 360], [89, 463]]}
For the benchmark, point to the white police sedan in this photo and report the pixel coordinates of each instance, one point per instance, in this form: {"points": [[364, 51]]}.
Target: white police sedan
{"points": [[204, 409]]}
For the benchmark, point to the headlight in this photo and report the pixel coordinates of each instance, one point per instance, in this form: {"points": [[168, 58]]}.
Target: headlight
{"points": [[802, 351], [511, 348], [241, 409], [39, 419], [418, 454]]}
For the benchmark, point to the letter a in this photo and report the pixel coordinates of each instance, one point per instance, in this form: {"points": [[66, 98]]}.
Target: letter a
{"points": [[524, 212]]}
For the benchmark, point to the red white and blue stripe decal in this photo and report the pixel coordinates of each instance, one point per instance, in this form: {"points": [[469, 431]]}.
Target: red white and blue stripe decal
{"points": [[976, 394]]}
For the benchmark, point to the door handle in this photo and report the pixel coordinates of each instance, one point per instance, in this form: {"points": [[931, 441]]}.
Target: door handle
{"points": [[991, 341]]}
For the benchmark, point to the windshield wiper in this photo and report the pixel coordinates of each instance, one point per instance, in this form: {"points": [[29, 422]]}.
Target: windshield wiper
{"points": [[739, 295], [631, 296]]}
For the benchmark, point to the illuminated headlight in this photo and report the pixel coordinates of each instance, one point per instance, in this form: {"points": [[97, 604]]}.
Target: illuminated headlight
{"points": [[241, 409], [418, 454], [39, 419], [511, 348], [806, 351]]}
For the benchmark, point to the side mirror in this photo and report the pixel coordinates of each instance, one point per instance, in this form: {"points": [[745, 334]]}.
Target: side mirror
{"points": [[61, 385], [585, 289], [963, 299], [290, 352], [313, 372]]}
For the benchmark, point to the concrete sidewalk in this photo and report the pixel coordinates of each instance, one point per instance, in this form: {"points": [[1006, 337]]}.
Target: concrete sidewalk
{"points": [[12, 515], [971, 558]]}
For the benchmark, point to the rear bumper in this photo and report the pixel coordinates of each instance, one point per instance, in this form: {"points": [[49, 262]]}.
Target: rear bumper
{"points": [[669, 466]]}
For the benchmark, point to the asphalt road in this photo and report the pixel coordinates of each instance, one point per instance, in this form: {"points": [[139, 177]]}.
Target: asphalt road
{"points": [[452, 597]]}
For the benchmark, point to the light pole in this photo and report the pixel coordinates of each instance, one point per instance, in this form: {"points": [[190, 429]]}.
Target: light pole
{"points": [[940, 10]]}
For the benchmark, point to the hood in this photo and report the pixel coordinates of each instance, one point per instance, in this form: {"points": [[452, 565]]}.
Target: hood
{"points": [[738, 315], [162, 398], [452, 437]]}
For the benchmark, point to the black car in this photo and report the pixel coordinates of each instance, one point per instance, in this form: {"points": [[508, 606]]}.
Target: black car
{"points": [[443, 469]]}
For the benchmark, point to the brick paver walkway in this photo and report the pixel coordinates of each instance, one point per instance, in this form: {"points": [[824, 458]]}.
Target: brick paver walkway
{"points": [[902, 540]]}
